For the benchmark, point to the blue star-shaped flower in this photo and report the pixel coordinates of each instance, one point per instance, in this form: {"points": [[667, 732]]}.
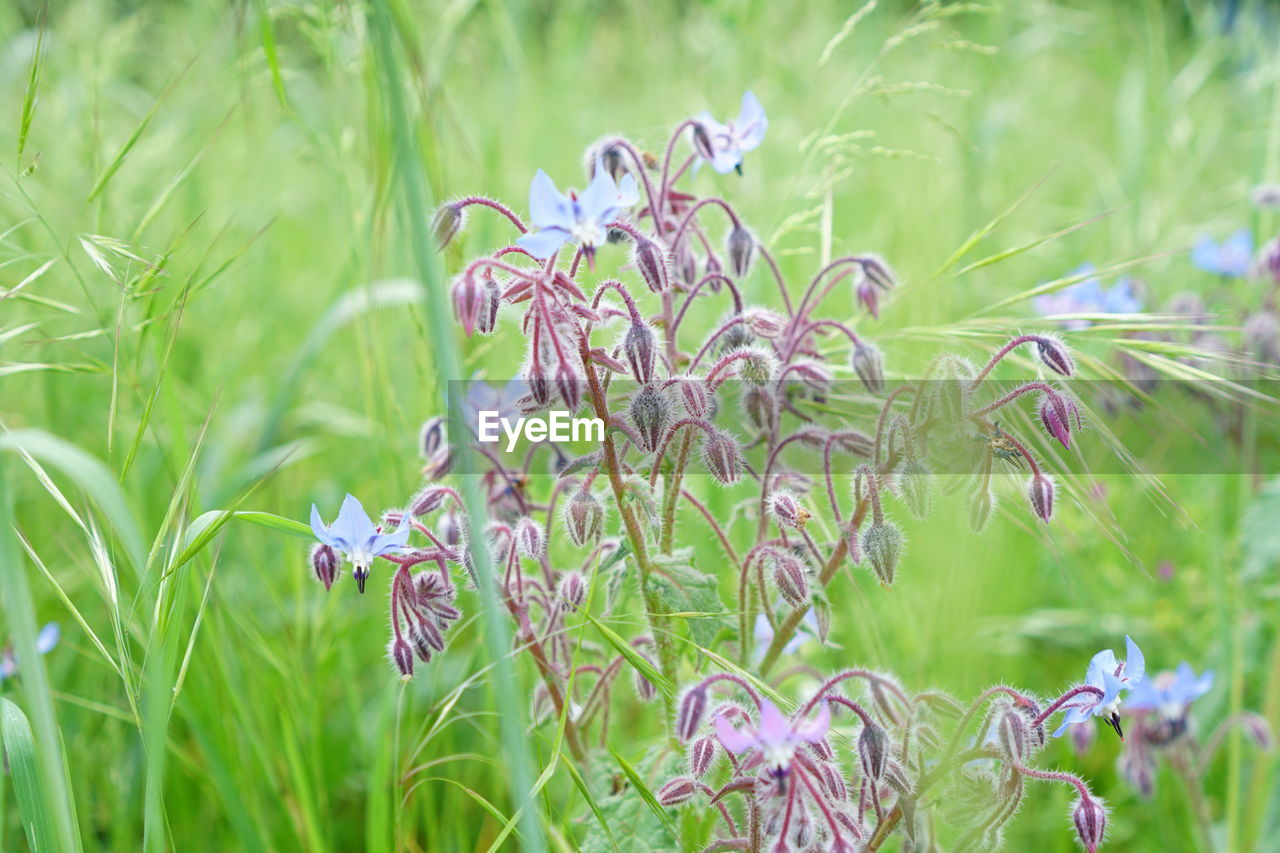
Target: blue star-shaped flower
{"points": [[1089, 297], [1112, 677], [729, 142], [1231, 257], [358, 538], [582, 219], [1170, 693]]}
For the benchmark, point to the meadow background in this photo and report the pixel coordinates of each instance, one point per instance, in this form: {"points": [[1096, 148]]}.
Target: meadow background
{"points": [[207, 301]]}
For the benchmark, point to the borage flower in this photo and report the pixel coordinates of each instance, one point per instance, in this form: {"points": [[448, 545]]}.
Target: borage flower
{"points": [[1110, 677], [1089, 297], [45, 641], [1231, 257], [359, 540], [582, 219], [1170, 693], [727, 143], [776, 739]]}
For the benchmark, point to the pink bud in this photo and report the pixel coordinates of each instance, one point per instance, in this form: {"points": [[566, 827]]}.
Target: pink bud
{"points": [[1053, 353], [490, 302], [324, 562], [468, 297], [721, 456], [650, 412], [873, 749], [645, 691], [693, 707], [868, 363], [432, 436], [760, 405], [693, 394], [878, 272], [1090, 818], [1054, 424], [1013, 734], [402, 657], [701, 754], [648, 258], [583, 517], [765, 323], [787, 509], [741, 248], [702, 142], [428, 500], [641, 347], [677, 791], [446, 223], [791, 578], [573, 590], [539, 386], [569, 385], [1040, 493], [869, 296], [530, 538]]}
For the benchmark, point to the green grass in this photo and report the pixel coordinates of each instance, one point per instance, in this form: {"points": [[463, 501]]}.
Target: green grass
{"points": [[219, 296]]}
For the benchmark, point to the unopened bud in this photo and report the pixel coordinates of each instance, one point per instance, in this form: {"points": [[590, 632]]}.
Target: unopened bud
{"points": [[764, 323], [649, 260], [1082, 737], [468, 298], [792, 579], [833, 782], [651, 413], [760, 405], [1040, 494], [1013, 735], [980, 507], [677, 791], [1053, 421], [569, 385], [822, 616], [878, 272], [402, 656], [702, 142], [1262, 335], [324, 562], [1258, 730], [756, 364], [1136, 766], [573, 590], [693, 395], [446, 223], [1090, 818], [490, 302], [685, 264], [882, 544], [787, 510], [583, 516], [915, 485], [873, 749], [722, 457], [640, 345], [645, 691], [693, 707], [701, 754], [530, 538], [432, 437], [868, 363], [428, 500], [741, 248], [869, 297], [1053, 353], [536, 378]]}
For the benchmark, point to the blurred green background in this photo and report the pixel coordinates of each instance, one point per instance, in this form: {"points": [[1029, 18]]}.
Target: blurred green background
{"points": [[211, 185]]}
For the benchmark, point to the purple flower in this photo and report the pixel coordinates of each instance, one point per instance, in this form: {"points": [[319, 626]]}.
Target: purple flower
{"points": [[358, 538], [1169, 693], [1089, 297], [730, 141], [582, 219], [1231, 257], [1112, 677], [776, 738]]}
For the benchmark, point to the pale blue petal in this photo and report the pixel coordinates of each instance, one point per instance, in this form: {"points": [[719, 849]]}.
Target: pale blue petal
{"points": [[322, 532], [726, 160], [395, 540], [547, 207], [1205, 255], [1145, 697], [628, 192], [543, 244], [352, 524], [752, 123], [48, 638], [1103, 663], [1135, 664], [600, 198], [1070, 718]]}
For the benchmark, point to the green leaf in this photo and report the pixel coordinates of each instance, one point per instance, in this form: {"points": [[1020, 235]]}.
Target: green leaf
{"points": [[633, 808], [20, 749], [633, 657], [689, 594], [201, 531]]}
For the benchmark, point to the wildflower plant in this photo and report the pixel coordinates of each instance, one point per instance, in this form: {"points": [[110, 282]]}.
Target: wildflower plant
{"points": [[599, 284]]}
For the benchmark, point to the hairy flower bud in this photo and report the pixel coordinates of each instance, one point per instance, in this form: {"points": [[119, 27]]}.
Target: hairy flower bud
{"points": [[1013, 734], [756, 364], [741, 248], [1051, 417], [882, 544], [693, 395], [701, 754], [446, 223], [1090, 817], [1053, 353], [684, 264], [651, 413], [530, 538], [490, 302], [915, 485], [649, 260], [722, 457], [1262, 335], [324, 562], [536, 378], [641, 347], [677, 791], [432, 436], [569, 385], [868, 363], [878, 272], [1136, 766], [760, 405], [583, 516], [873, 749], [1040, 494], [791, 576], [868, 296], [428, 501], [980, 508], [702, 144], [1258, 730], [645, 691], [786, 508], [693, 707], [402, 656], [573, 590], [764, 323], [468, 299]]}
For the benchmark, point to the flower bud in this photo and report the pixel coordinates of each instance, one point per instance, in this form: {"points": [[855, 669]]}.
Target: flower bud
{"points": [[402, 656], [324, 562], [583, 516], [536, 378], [446, 223], [1055, 356], [868, 363], [1082, 738], [883, 546], [693, 707], [869, 297], [573, 590], [530, 538], [693, 395], [822, 616], [915, 485], [428, 501], [873, 749], [1258, 730], [1262, 335], [721, 456], [878, 272], [701, 754], [651, 413], [756, 364], [787, 509], [438, 464], [741, 247], [1040, 493], [1090, 818], [677, 791], [645, 691], [490, 302], [735, 337], [468, 298], [980, 507], [432, 437], [833, 782], [702, 142], [684, 264], [792, 578], [1269, 260], [1053, 421], [1135, 765], [641, 347], [764, 323], [760, 405], [1013, 735], [648, 258]]}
